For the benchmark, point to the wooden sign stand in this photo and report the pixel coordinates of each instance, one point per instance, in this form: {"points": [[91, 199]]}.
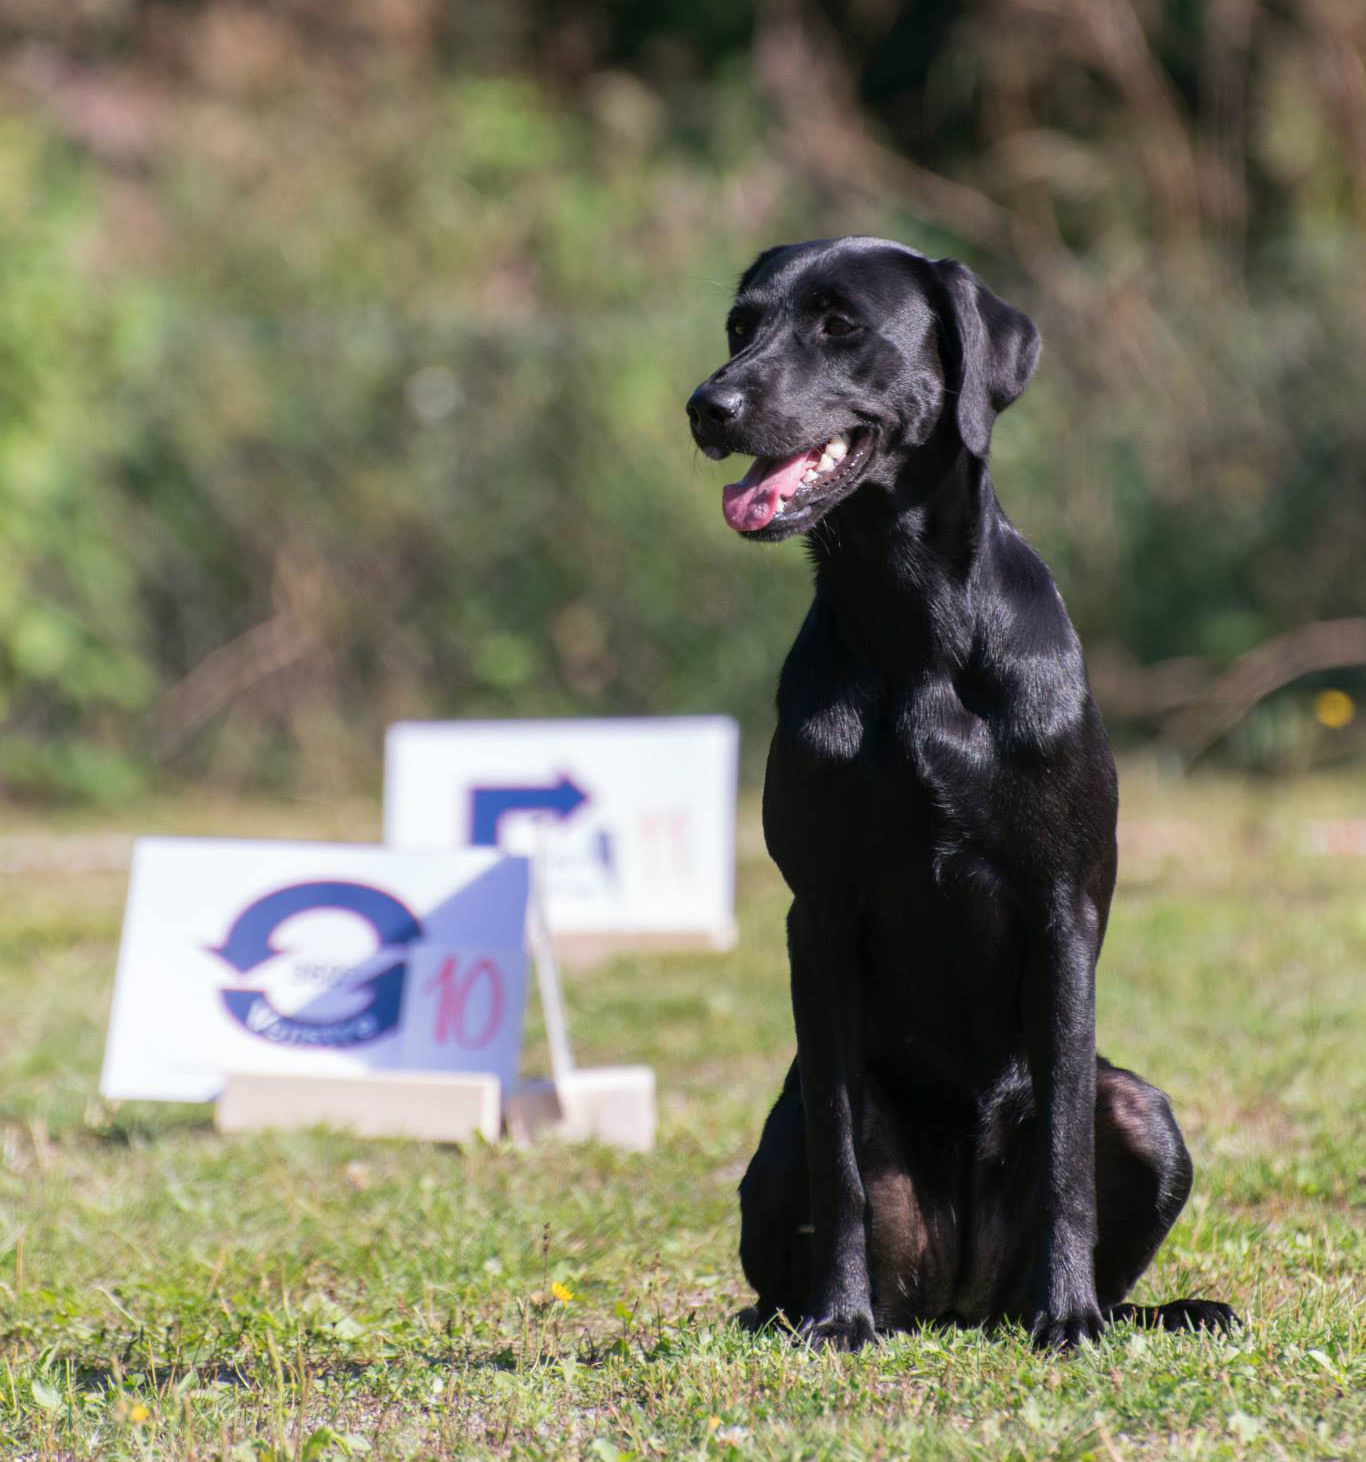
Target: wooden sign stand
{"points": [[614, 1104]]}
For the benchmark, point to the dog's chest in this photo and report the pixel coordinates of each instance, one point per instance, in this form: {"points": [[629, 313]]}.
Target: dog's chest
{"points": [[869, 780]]}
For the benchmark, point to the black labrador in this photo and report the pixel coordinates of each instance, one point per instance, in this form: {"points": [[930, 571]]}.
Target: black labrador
{"points": [[941, 799]]}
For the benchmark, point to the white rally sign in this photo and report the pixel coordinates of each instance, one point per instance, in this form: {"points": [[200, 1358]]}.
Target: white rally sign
{"points": [[635, 819], [314, 958]]}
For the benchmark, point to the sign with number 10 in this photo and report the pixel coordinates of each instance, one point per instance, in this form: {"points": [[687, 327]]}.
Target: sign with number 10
{"points": [[310, 958]]}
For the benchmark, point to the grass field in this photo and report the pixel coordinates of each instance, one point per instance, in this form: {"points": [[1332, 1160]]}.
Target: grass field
{"points": [[166, 1293]]}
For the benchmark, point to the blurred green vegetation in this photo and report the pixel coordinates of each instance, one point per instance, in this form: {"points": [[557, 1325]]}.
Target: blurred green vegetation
{"points": [[343, 349]]}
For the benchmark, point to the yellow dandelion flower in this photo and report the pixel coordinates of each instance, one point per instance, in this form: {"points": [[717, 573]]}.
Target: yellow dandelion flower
{"points": [[1334, 709], [713, 1422], [138, 1413], [562, 1292]]}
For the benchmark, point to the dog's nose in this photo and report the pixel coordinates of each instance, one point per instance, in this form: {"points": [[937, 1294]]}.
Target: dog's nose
{"points": [[714, 405]]}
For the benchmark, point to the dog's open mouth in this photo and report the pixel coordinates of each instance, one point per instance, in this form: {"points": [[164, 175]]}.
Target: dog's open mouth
{"points": [[782, 487]]}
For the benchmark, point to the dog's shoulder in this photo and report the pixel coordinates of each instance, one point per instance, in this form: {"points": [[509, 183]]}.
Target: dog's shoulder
{"points": [[1026, 675]]}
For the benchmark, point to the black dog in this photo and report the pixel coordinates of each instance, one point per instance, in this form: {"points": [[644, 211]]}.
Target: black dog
{"points": [[941, 800]]}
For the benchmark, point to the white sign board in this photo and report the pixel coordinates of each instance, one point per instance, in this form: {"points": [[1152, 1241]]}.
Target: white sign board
{"points": [[635, 818], [314, 958]]}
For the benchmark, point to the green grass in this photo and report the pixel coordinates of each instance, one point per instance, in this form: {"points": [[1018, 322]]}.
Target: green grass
{"points": [[165, 1292]]}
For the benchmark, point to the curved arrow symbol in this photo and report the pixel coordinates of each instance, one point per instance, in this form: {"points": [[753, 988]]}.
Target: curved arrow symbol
{"points": [[489, 805], [248, 944]]}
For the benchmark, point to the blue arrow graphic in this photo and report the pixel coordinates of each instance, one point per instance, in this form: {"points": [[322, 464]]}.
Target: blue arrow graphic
{"points": [[248, 942], [489, 805], [248, 945]]}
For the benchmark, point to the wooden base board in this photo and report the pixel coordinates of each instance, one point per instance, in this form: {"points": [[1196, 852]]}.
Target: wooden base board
{"points": [[432, 1106], [611, 1104]]}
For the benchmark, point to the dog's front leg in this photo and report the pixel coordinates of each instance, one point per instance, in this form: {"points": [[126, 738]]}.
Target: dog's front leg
{"points": [[1060, 1014], [827, 1006]]}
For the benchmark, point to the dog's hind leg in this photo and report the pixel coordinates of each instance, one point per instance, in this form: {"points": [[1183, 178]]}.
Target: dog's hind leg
{"points": [[1143, 1178], [912, 1174], [775, 1213]]}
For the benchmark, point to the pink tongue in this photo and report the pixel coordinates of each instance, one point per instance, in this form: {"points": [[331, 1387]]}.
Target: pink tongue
{"points": [[751, 503]]}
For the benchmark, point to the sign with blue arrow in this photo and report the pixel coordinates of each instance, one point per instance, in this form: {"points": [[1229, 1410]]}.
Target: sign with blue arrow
{"points": [[314, 958], [633, 820]]}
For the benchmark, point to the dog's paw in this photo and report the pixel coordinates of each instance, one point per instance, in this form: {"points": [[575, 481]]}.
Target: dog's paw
{"points": [[1197, 1315], [1065, 1328], [837, 1330], [1179, 1315]]}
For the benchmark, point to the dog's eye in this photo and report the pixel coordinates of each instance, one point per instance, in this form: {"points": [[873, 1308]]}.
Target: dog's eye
{"points": [[738, 329], [838, 325]]}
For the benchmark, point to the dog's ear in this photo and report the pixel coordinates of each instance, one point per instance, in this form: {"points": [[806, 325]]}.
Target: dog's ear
{"points": [[998, 348], [759, 261]]}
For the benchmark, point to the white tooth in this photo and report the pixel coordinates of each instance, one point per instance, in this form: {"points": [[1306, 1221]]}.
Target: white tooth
{"points": [[782, 508], [809, 476], [837, 448], [826, 463]]}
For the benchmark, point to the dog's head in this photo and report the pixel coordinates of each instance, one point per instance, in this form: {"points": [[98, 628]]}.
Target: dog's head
{"points": [[843, 353]]}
